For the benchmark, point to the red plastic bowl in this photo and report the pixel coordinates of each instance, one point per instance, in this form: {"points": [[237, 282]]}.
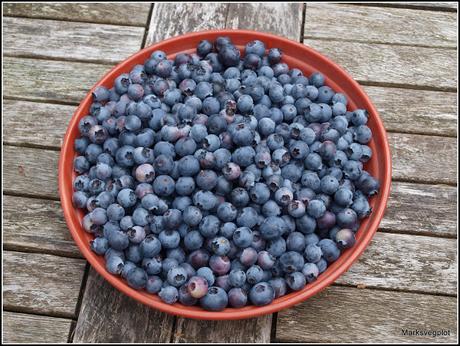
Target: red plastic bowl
{"points": [[295, 55]]}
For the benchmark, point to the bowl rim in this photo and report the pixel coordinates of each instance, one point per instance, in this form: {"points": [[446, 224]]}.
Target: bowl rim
{"points": [[229, 313]]}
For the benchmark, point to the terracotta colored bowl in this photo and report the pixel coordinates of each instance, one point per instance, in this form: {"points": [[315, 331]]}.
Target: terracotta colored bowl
{"points": [[295, 55]]}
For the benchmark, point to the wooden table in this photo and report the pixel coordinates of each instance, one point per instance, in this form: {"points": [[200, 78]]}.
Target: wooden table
{"points": [[404, 55]]}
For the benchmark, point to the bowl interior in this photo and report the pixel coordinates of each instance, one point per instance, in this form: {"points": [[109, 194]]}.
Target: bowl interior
{"points": [[295, 55]]}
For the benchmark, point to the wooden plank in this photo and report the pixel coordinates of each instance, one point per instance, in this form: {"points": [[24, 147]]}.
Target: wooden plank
{"points": [[30, 171], [283, 19], [70, 40], [35, 123], [40, 283], [173, 19], [424, 158], [254, 330], [114, 13], [27, 226], [416, 111], [416, 158], [421, 67], [381, 25], [25, 328], [351, 315], [107, 315], [438, 6], [425, 112], [386, 262], [435, 214], [48, 80]]}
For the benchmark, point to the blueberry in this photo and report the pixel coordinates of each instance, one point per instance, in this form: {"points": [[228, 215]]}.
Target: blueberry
{"points": [[260, 193], [329, 249], [118, 240], [209, 226], [248, 256], [345, 238], [215, 300], [154, 284], [272, 227], [242, 237], [316, 208], [177, 276], [79, 199], [99, 245], [126, 198], [169, 239], [347, 218], [296, 281], [220, 246], [291, 261], [311, 271], [114, 264], [205, 200], [169, 294], [150, 246], [261, 294], [163, 185]]}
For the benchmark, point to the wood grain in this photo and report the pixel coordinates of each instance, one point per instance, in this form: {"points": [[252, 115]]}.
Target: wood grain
{"points": [[254, 330], [435, 214], [173, 19], [30, 171], [381, 25], [70, 40], [36, 123], [416, 111], [107, 315], [33, 224], [108, 13], [283, 19], [408, 263], [411, 111], [416, 158], [48, 80], [421, 67], [438, 6], [424, 158], [40, 283], [25, 328], [351, 315]]}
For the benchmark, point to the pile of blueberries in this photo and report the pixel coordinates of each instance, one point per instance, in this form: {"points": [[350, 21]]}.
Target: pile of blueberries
{"points": [[220, 179]]}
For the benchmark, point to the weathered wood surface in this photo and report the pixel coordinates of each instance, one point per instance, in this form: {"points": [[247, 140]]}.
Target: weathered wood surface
{"points": [[416, 111], [351, 315], [173, 19], [254, 330], [39, 38], [40, 283], [108, 13], [204, 16], [438, 6], [283, 19], [35, 123], [27, 227], [435, 213], [415, 158], [30, 171], [421, 67], [107, 315], [424, 158], [43, 80], [26, 328], [381, 25], [408, 263], [411, 111]]}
